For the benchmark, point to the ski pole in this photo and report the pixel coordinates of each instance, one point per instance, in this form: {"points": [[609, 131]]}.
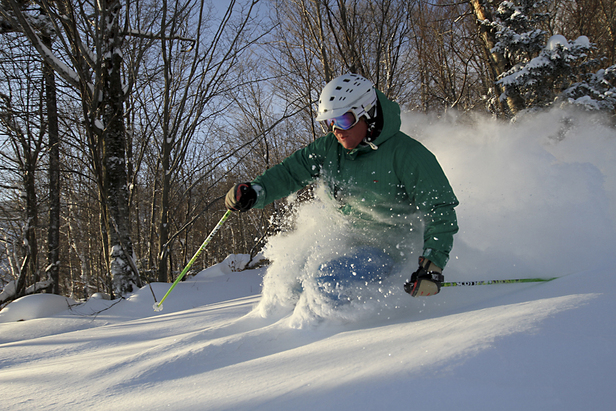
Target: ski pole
{"points": [[488, 282], [159, 306]]}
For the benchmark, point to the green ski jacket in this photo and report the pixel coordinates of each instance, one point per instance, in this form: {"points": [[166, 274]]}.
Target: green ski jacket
{"points": [[395, 176]]}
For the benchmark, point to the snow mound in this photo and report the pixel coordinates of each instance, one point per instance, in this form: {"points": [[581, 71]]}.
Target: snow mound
{"points": [[35, 306], [233, 263], [557, 40]]}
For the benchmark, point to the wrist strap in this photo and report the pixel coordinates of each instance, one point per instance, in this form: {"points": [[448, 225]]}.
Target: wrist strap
{"points": [[436, 276]]}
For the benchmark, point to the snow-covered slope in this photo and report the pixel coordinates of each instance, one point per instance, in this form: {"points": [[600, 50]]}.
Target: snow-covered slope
{"points": [[546, 346], [538, 198]]}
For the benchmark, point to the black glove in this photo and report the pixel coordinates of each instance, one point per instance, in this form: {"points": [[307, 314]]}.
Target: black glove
{"points": [[426, 280], [242, 197]]}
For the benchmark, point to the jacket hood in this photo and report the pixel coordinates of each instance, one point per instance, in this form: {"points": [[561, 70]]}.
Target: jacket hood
{"points": [[391, 118], [390, 125]]}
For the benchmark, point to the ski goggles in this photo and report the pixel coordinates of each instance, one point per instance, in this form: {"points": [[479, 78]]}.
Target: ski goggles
{"points": [[343, 122]]}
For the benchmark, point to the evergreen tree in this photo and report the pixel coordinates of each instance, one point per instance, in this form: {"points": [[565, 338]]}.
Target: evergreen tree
{"points": [[518, 39], [512, 36], [562, 72], [596, 92], [518, 34]]}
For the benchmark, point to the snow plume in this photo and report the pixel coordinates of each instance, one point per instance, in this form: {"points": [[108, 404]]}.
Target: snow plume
{"points": [[537, 196], [318, 233], [537, 199]]}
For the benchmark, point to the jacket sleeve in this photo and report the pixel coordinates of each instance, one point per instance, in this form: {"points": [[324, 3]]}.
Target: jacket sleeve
{"points": [[430, 191], [293, 173]]}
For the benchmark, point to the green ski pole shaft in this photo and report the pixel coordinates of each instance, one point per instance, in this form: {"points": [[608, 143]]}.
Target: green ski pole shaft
{"points": [[158, 306], [488, 282]]}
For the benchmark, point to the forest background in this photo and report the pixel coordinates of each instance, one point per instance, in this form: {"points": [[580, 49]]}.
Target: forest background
{"points": [[123, 124]]}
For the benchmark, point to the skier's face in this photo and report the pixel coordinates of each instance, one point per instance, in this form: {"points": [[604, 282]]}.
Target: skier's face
{"points": [[352, 137]]}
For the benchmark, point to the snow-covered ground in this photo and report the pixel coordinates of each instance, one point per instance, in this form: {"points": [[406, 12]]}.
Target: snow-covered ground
{"points": [[538, 199]]}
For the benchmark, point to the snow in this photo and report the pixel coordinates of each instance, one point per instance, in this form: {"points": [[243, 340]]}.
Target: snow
{"points": [[8, 290], [537, 199], [557, 40], [560, 40], [583, 41], [35, 306]]}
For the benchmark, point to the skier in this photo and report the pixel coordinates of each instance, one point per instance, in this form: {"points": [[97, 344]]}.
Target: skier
{"points": [[376, 172]]}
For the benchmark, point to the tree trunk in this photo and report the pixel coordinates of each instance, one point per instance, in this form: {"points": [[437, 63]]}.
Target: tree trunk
{"points": [[497, 63], [163, 230], [114, 162], [167, 146], [31, 243], [53, 233]]}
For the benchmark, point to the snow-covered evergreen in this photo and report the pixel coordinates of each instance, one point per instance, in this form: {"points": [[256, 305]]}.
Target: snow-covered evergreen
{"points": [[540, 71], [562, 73], [516, 24], [596, 92]]}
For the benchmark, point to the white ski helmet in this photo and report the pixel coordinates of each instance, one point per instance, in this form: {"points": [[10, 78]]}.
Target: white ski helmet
{"points": [[349, 92]]}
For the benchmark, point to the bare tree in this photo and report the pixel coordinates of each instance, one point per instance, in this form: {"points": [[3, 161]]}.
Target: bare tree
{"points": [[450, 69], [189, 76], [49, 125], [21, 123], [92, 37], [53, 141], [317, 40]]}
